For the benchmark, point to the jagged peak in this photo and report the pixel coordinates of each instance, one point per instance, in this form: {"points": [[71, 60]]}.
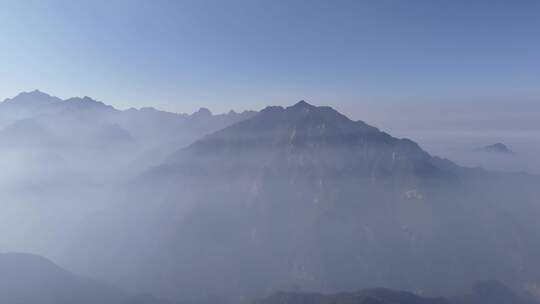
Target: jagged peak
{"points": [[35, 96], [85, 99], [38, 98], [35, 92], [87, 102], [272, 109], [203, 112], [303, 110], [302, 104]]}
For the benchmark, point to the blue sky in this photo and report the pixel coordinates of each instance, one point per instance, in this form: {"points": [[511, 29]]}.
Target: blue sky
{"points": [[180, 55]]}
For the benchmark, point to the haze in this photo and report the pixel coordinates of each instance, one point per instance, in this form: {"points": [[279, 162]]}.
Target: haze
{"points": [[300, 152]]}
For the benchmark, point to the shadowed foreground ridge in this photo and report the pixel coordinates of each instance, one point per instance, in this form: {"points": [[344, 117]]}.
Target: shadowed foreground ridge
{"points": [[483, 292], [31, 279], [368, 296]]}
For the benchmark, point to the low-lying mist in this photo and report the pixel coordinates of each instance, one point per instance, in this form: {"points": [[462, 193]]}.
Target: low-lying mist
{"points": [[235, 207]]}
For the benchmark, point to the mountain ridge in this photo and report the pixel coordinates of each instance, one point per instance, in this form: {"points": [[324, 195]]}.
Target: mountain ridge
{"points": [[482, 292], [38, 97], [303, 127], [21, 273], [298, 197]]}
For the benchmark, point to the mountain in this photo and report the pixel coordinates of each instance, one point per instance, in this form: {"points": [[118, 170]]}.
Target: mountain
{"points": [[63, 159], [307, 137], [26, 132], [161, 133], [144, 136], [31, 279], [28, 279], [36, 103], [304, 198], [40, 121], [497, 148], [244, 204], [368, 296], [492, 292], [146, 125], [37, 100], [29, 103]]}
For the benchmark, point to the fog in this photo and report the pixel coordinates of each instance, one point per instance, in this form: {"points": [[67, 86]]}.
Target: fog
{"points": [[458, 129], [229, 208]]}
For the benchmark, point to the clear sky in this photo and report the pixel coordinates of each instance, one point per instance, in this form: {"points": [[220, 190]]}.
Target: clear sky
{"points": [[180, 55]]}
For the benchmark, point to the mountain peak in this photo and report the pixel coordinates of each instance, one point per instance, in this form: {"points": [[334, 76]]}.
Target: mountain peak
{"points": [[35, 92], [304, 131], [303, 105], [77, 103], [497, 148], [204, 112], [302, 110], [34, 97]]}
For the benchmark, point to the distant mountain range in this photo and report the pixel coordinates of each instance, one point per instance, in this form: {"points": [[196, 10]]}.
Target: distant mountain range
{"points": [[304, 198], [237, 206], [147, 126], [92, 140]]}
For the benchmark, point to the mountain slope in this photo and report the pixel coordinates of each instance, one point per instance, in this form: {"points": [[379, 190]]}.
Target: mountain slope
{"points": [[147, 125], [368, 296], [309, 136], [62, 159], [31, 279], [492, 292], [497, 148], [135, 138], [302, 197]]}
